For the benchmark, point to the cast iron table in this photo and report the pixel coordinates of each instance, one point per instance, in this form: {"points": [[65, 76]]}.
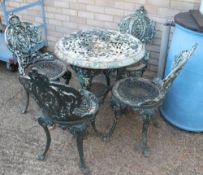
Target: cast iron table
{"points": [[94, 51]]}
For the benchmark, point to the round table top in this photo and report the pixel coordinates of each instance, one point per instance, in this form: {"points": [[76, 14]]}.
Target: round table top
{"points": [[99, 49]]}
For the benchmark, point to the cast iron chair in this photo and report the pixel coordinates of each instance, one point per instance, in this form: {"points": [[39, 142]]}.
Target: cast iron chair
{"points": [[140, 26], [61, 105], [23, 40], [145, 96]]}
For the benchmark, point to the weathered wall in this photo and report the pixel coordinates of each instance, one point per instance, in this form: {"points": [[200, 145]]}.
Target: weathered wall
{"points": [[66, 16]]}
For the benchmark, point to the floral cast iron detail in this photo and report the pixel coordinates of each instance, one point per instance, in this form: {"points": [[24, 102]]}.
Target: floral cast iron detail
{"points": [[24, 40], [143, 28], [85, 76], [21, 39], [139, 25]]}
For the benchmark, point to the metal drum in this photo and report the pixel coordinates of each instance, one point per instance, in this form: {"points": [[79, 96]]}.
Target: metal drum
{"points": [[5, 54], [183, 105]]}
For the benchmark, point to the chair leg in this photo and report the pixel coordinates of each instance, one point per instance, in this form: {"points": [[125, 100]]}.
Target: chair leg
{"points": [[46, 130], [146, 123], [79, 139], [117, 106], [27, 103]]}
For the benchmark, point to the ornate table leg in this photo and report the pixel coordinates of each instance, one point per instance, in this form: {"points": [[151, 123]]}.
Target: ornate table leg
{"points": [[108, 82], [85, 76]]}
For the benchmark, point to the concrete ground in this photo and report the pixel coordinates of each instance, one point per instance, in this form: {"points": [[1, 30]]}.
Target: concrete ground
{"points": [[173, 151]]}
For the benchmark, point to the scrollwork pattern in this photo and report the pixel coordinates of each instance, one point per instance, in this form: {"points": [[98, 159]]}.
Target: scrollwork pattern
{"points": [[21, 39], [163, 85], [138, 25], [143, 28]]}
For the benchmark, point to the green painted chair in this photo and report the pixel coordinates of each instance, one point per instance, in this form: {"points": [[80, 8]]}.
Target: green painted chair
{"points": [[63, 106], [143, 28], [145, 96], [24, 40]]}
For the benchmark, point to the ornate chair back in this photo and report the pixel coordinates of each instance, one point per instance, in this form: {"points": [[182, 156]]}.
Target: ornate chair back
{"points": [[178, 63], [138, 25], [56, 100], [143, 28], [22, 39]]}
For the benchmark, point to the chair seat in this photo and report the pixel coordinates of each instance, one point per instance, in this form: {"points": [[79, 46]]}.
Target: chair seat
{"points": [[51, 68], [89, 105], [132, 91]]}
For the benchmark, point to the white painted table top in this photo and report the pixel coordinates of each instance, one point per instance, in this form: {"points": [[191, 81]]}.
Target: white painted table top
{"points": [[99, 49]]}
